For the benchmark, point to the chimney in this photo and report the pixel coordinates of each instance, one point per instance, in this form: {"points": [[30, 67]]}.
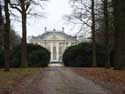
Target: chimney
{"points": [[45, 29], [63, 29], [54, 30]]}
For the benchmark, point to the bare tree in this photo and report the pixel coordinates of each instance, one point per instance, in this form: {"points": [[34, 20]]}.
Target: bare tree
{"points": [[84, 14], [6, 35], [1, 16], [81, 14], [23, 7], [14, 38], [93, 33], [106, 27], [119, 24], [1, 26]]}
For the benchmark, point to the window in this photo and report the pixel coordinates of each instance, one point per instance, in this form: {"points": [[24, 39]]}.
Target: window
{"points": [[60, 58], [60, 50], [72, 43], [67, 44], [54, 53]]}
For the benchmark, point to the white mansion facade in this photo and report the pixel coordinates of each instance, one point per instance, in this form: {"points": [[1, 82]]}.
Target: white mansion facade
{"points": [[56, 42]]}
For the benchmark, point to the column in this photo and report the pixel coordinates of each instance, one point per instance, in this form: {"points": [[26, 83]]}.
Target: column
{"points": [[64, 47], [51, 51], [57, 51]]}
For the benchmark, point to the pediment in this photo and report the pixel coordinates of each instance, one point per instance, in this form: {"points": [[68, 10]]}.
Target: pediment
{"points": [[55, 37]]}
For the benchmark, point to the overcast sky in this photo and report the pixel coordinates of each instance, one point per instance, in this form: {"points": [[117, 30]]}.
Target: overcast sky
{"points": [[55, 10]]}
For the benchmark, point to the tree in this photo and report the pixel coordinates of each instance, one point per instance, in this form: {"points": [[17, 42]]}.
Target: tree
{"points": [[106, 27], [82, 14], [119, 24], [23, 7], [6, 35], [14, 38], [1, 16], [93, 33], [1, 26]]}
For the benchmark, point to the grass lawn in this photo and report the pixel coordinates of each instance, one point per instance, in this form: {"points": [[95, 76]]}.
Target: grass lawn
{"points": [[8, 79]]}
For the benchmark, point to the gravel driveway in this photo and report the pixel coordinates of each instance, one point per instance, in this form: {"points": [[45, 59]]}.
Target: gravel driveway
{"points": [[58, 80]]}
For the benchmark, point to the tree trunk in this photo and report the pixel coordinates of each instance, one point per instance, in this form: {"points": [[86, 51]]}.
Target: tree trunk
{"points": [[1, 21], [1, 28], [107, 46], [119, 24], [93, 34], [24, 37], [6, 36]]}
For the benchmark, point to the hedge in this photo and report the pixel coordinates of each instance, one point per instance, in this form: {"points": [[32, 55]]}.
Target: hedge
{"points": [[37, 56], [81, 56]]}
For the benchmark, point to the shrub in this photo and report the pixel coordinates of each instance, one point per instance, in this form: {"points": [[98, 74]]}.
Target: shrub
{"points": [[37, 56], [81, 56], [1, 58], [78, 56], [16, 57]]}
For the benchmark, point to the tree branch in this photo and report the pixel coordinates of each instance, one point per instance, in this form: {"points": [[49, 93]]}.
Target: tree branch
{"points": [[15, 6]]}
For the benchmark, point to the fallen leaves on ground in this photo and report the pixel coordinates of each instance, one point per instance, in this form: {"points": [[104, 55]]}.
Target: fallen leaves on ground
{"points": [[113, 80], [9, 79], [116, 77]]}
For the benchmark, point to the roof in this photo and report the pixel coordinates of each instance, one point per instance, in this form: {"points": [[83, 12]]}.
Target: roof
{"points": [[45, 35]]}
